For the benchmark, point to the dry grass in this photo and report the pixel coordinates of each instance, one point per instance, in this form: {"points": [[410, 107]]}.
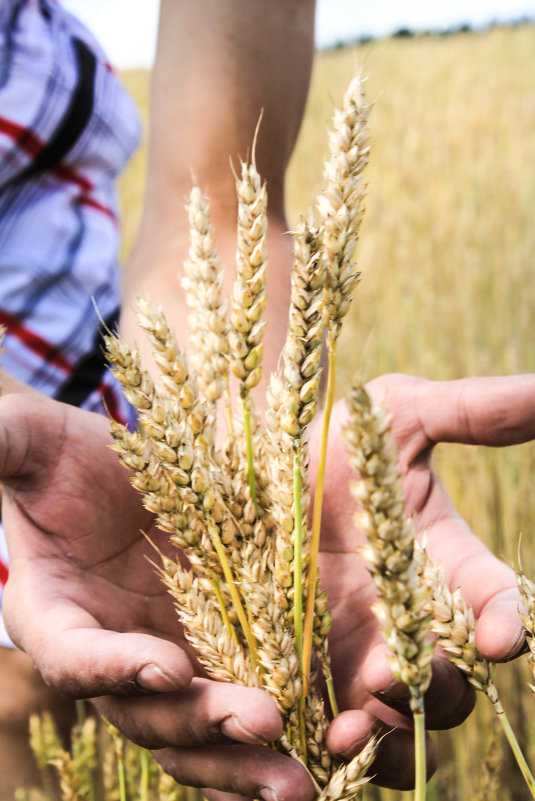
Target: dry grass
{"points": [[446, 253]]}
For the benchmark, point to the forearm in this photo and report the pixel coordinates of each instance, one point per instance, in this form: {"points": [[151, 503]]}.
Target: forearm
{"points": [[218, 68]]}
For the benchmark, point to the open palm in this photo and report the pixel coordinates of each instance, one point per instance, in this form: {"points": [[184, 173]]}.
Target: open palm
{"points": [[473, 411], [84, 602]]}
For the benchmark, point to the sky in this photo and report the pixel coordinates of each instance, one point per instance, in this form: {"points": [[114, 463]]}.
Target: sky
{"points": [[127, 28]]}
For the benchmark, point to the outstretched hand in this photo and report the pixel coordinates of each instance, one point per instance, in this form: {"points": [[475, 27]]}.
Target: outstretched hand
{"points": [[84, 602], [478, 411], [87, 606]]}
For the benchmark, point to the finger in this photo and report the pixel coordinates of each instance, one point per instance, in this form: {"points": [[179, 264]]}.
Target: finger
{"points": [[393, 765], [97, 662], [499, 629], [77, 657], [478, 411], [245, 770], [487, 584], [449, 699], [206, 712]]}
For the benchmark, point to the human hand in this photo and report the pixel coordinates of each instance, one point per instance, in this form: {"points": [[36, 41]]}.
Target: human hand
{"points": [[479, 411], [103, 613], [83, 601]]}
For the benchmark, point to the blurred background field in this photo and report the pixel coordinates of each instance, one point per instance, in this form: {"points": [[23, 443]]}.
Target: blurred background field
{"points": [[447, 290]]}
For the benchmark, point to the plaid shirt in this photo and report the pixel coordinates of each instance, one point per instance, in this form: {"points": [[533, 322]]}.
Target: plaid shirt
{"points": [[67, 128]]}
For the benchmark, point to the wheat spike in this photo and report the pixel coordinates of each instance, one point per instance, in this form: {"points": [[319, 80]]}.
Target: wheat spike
{"points": [[341, 206], [208, 335], [248, 294], [302, 349], [490, 788], [348, 779], [454, 626], [403, 598], [198, 611], [527, 593]]}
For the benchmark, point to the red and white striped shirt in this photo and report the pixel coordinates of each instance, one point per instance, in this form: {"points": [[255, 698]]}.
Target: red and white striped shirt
{"points": [[67, 129]]}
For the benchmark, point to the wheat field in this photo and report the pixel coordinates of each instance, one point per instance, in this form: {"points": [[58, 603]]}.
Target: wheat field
{"points": [[445, 255]]}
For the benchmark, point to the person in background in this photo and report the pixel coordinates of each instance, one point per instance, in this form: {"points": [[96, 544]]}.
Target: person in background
{"points": [[81, 600], [67, 129]]}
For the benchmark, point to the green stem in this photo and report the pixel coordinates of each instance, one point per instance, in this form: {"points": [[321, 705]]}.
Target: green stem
{"points": [[119, 751], [298, 586], [316, 520], [234, 594], [420, 776], [80, 712], [81, 718], [145, 774], [330, 686], [249, 452], [224, 613], [515, 747], [298, 556]]}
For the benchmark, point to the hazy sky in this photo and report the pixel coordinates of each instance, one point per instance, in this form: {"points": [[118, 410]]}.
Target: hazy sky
{"points": [[127, 28]]}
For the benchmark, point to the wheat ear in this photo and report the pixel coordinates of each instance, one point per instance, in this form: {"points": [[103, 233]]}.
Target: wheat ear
{"points": [[176, 432], [348, 779], [526, 588], [490, 789], [292, 403], [341, 211], [403, 598], [207, 325], [248, 297], [454, 626]]}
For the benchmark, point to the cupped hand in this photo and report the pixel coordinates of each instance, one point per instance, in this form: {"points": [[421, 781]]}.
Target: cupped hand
{"points": [[476, 411], [87, 606], [85, 603]]}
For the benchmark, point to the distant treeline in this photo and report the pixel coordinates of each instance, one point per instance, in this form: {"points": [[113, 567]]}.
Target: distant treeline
{"points": [[409, 33]]}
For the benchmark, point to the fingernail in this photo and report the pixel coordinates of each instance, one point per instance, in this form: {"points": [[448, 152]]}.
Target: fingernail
{"points": [[401, 703], [520, 648], [268, 794], [353, 749], [396, 691], [233, 728], [153, 678]]}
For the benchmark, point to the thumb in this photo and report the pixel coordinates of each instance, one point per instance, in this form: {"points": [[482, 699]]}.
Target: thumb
{"points": [[96, 662], [492, 411], [77, 657], [499, 632]]}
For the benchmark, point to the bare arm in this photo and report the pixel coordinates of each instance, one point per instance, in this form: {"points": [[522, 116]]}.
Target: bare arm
{"points": [[218, 67]]}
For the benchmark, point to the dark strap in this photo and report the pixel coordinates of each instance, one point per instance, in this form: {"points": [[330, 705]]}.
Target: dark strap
{"points": [[73, 121], [87, 374]]}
